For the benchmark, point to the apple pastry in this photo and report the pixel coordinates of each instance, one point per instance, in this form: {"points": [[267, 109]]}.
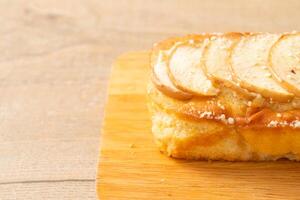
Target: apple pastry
{"points": [[227, 96]]}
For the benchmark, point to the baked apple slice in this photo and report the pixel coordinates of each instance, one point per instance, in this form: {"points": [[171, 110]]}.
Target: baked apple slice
{"points": [[161, 79], [249, 66], [216, 54], [285, 62], [185, 70], [216, 64]]}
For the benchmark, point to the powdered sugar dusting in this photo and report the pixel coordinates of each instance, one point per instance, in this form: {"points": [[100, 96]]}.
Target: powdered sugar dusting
{"points": [[207, 114], [295, 124], [221, 117], [272, 124], [284, 123], [230, 120]]}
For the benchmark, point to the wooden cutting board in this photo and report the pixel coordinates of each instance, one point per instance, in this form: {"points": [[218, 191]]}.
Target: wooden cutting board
{"points": [[131, 167]]}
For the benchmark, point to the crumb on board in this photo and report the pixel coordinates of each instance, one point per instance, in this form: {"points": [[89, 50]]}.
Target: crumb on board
{"points": [[132, 145]]}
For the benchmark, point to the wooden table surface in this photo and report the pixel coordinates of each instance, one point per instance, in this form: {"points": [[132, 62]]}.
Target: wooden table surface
{"points": [[54, 66]]}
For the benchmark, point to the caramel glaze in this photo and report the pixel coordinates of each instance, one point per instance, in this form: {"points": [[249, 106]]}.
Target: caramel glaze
{"points": [[228, 109], [260, 119]]}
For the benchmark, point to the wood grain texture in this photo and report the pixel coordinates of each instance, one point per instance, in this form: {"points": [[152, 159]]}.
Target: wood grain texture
{"points": [[64, 189], [54, 65], [131, 167]]}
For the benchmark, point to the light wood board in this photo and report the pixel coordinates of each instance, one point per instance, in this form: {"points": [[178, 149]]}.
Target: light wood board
{"points": [[131, 167]]}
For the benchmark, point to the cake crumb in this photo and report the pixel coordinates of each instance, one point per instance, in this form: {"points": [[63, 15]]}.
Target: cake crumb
{"points": [[132, 145]]}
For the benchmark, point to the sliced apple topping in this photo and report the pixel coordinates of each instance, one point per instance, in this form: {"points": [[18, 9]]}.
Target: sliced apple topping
{"points": [[185, 71], [285, 62], [249, 66], [161, 78], [216, 63]]}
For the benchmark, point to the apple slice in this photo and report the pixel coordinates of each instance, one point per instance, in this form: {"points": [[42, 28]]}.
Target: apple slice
{"points": [[161, 79], [185, 70], [285, 62], [249, 60], [216, 63]]}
